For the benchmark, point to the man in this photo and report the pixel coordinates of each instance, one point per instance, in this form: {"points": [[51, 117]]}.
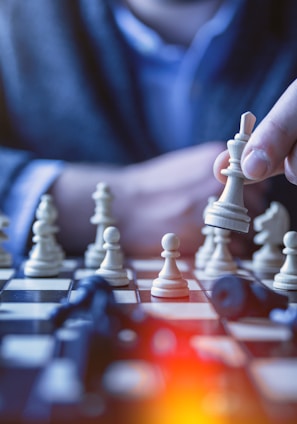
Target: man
{"points": [[135, 109]]}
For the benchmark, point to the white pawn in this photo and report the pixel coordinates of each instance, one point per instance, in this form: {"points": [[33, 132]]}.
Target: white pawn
{"points": [[205, 252], [170, 282], [5, 257], [221, 262], [286, 279], [271, 227], [102, 218], [229, 211], [111, 267], [43, 261]]}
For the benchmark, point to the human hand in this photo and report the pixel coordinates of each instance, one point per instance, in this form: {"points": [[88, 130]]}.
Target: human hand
{"points": [[271, 149], [165, 194]]}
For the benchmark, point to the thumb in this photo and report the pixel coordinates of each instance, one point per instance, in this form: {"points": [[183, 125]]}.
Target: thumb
{"points": [[273, 139]]}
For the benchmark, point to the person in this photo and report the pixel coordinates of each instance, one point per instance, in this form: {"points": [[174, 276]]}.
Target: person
{"points": [[141, 95]]}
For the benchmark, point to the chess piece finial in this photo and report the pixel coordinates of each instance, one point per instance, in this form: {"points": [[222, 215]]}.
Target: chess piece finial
{"points": [[229, 211], [286, 279], [170, 283]]}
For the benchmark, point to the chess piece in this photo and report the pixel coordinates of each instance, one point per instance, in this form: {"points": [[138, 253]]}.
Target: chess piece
{"points": [[95, 252], [286, 279], [43, 261], [5, 257], [221, 262], [205, 252], [229, 211], [271, 227], [111, 267], [234, 297], [48, 213], [170, 282]]}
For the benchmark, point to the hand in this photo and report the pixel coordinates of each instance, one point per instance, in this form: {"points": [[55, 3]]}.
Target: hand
{"points": [[271, 149], [165, 194]]}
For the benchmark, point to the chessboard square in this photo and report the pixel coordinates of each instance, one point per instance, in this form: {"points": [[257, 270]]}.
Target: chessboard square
{"points": [[39, 284], [222, 348], [259, 329], [276, 378], [146, 284], [176, 310], [194, 296], [83, 273], [125, 296], [6, 273], [27, 350], [15, 311], [133, 379], [156, 264]]}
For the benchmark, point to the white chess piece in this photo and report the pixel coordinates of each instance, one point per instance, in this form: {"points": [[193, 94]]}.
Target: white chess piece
{"points": [[5, 257], [229, 211], [205, 251], [221, 262], [111, 267], [48, 213], [170, 282], [43, 261], [286, 279], [102, 217], [271, 227]]}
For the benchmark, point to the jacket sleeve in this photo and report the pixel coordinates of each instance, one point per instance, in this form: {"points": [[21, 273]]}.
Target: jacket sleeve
{"points": [[23, 181], [12, 162]]}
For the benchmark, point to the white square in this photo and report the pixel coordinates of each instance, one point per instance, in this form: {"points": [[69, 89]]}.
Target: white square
{"points": [[222, 348], [27, 350], [39, 284], [6, 273], [258, 329], [11, 310], [125, 296], [276, 378], [176, 310]]}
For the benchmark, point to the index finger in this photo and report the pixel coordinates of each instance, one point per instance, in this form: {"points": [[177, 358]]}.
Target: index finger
{"points": [[273, 139]]}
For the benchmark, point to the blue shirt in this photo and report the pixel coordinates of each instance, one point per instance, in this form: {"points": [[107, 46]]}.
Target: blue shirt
{"points": [[167, 72]]}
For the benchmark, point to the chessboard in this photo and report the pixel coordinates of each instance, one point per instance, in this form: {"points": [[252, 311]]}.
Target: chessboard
{"points": [[123, 355]]}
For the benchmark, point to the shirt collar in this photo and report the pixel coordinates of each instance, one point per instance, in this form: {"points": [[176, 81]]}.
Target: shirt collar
{"points": [[147, 42]]}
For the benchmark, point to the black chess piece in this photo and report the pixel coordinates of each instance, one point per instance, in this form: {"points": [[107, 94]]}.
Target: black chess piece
{"points": [[234, 297]]}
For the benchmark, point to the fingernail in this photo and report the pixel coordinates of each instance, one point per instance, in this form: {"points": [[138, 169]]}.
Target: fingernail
{"points": [[255, 166]]}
